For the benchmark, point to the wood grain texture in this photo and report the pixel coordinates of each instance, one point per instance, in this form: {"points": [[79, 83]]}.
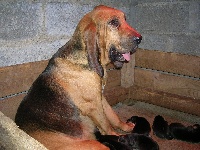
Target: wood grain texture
{"points": [[127, 73], [167, 83], [113, 94], [167, 100], [9, 106], [170, 62], [19, 78], [116, 94], [114, 78]]}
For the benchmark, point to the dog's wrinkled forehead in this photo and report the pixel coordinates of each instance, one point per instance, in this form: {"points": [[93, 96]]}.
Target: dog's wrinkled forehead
{"points": [[105, 13]]}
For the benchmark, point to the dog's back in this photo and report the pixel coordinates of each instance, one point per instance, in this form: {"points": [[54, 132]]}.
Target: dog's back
{"points": [[48, 106]]}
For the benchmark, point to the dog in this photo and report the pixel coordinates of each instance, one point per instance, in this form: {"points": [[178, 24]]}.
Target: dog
{"points": [[65, 103], [139, 139], [176, 130], [131, 141], [111, 141], [142, 126], [161, 128], [138, 142], [189, 134]]}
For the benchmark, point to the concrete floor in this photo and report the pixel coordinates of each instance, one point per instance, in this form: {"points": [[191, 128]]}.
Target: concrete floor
{"points": [[134, 108]]}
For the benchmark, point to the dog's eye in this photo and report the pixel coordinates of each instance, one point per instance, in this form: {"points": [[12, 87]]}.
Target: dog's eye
{"points": [[114, 22]]}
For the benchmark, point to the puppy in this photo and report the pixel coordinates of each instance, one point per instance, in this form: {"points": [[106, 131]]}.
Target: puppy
{"points": [[180, 132], [131, 141], [161, 128], [111, 141], [142, 126], [138, 142]]}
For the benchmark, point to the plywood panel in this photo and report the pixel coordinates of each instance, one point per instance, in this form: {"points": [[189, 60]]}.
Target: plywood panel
{"points": [[167, 83], [9, 106], [170, 62], [19, 78], [127, 73], [114, 78], [116, 94], [167, 100]]}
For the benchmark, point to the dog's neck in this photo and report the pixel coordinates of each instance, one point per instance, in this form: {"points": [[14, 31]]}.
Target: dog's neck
{"points": [[73, 52]]}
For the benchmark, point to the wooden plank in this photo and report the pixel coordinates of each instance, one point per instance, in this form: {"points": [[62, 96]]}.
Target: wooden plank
{"points": [[170, 62], [116, 94], [114, 78], [167, 100], [19, 78], [167, 83], [127, 73], [9, 106]]}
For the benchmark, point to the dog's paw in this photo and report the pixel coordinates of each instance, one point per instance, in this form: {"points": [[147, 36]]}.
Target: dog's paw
{"points": [[127, 127], [142, 126]]}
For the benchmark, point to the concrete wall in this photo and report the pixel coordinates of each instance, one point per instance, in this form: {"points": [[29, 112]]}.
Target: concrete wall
{"points": [[33, 30], [168, 25]]}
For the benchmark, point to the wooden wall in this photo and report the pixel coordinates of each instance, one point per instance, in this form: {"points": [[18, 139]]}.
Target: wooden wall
{"points": [[166, 79]]}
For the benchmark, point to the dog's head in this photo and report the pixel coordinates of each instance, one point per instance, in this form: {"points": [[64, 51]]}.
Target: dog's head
{"points": [[107, 38]]}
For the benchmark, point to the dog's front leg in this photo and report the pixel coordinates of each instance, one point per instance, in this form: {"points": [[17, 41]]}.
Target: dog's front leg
{"points": [[98, 116], [114, 119]]}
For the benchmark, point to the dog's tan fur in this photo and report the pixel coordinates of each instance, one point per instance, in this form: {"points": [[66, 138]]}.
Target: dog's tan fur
{"points": [[65, 103]]}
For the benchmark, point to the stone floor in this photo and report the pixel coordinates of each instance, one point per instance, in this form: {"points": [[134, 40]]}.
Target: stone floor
{"points": [[134, 108]]}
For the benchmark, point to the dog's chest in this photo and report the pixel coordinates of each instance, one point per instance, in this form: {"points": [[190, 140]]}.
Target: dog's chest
{"points": [[79, 83]]}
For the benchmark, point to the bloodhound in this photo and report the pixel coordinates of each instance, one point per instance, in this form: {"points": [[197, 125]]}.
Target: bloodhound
{"points": [[65, 103]]}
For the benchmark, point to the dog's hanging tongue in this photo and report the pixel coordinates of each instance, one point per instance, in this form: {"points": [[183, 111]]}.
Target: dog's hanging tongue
{"points": [[127, 56]]}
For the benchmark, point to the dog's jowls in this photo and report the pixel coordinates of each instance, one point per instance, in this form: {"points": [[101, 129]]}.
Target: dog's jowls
{"points": [[65, 103]]}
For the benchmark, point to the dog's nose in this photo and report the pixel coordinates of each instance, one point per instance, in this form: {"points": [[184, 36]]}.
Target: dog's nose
{"points": [[138, 39]]}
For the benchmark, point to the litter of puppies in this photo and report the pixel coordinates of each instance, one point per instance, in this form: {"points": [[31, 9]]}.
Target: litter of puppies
{"points": [[140, 139]]}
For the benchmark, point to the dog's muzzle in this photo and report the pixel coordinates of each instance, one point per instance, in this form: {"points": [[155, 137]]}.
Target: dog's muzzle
{"points": [[120, 58]]}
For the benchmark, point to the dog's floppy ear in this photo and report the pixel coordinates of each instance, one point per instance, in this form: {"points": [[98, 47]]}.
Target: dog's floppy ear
{"points": [[90, 37]]}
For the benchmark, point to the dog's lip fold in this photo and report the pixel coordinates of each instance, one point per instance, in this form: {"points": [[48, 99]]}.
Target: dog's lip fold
{"points": [[122, 57]]}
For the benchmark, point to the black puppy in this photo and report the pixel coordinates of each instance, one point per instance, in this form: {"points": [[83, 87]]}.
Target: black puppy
{"points": [[161, 128], [142, 126], [138, 142], [176, 130], [111, 141], [180, 132], [132, 141]]}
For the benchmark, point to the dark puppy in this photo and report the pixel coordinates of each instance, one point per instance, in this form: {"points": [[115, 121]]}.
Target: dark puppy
{"points": [[138, 142], [180, 132], [132, 141], [142, 126], [111, 141], [161, 128]]}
